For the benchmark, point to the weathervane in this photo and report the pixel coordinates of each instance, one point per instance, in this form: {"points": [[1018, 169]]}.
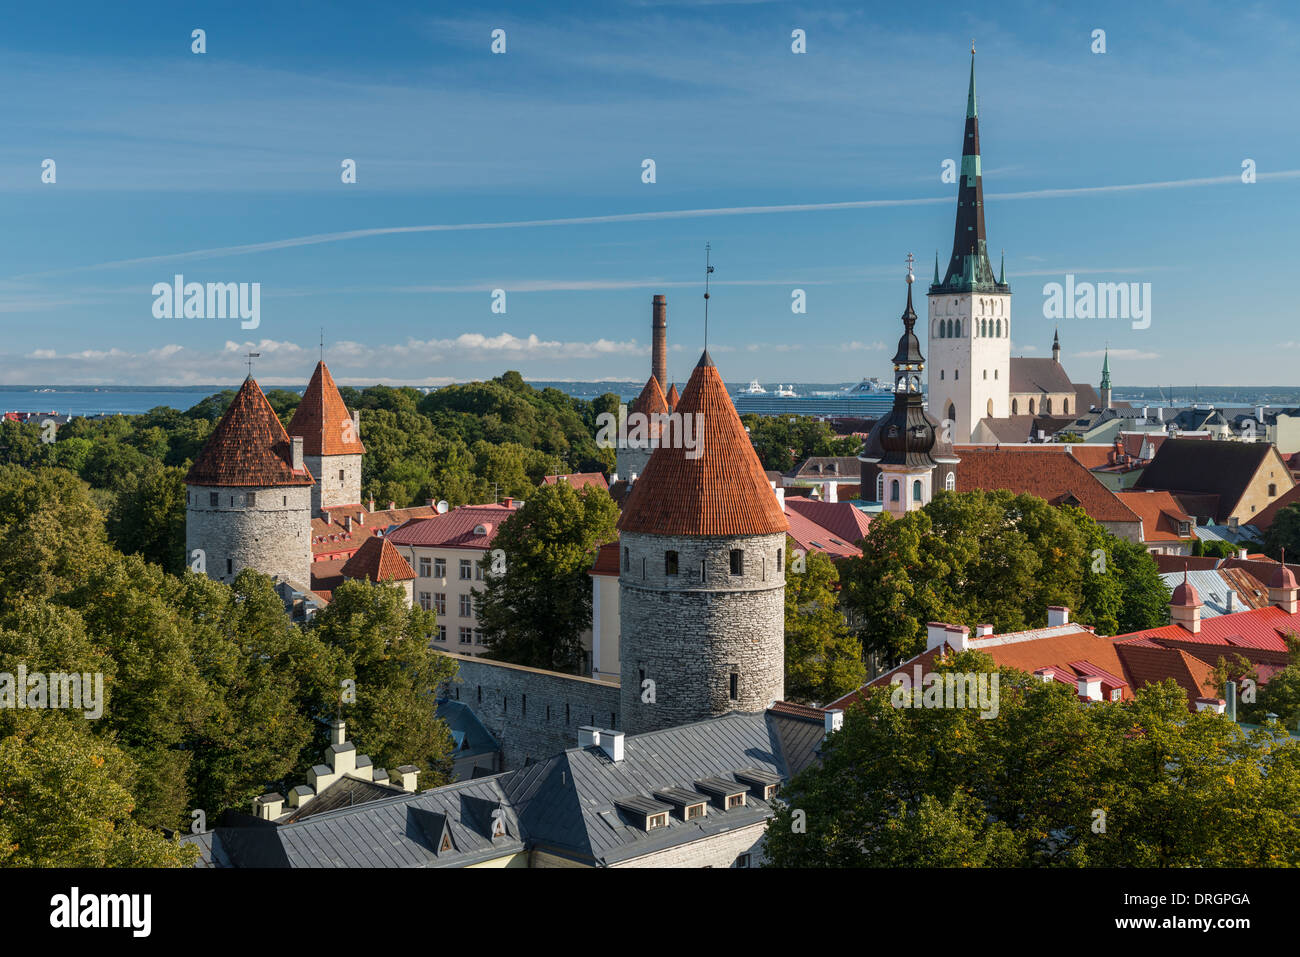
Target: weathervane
{"points": [[910, 276], [708, 271], [972, 46], [251, 356], [322, 343]]}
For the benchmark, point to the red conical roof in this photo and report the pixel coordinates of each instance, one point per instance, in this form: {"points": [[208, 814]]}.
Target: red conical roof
{"points": [[323, 420], [672, 398], [723, 491], [249, 447], [651, 400], [379, 561]]}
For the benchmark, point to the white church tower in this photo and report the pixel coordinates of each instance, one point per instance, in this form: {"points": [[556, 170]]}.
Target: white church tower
{"points": [[970, 311]]}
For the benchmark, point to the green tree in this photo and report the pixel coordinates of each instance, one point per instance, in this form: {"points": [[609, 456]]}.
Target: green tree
{"points": [[534, 612], [822, 659], [1284, 533], [148, 516], [385, 649]]}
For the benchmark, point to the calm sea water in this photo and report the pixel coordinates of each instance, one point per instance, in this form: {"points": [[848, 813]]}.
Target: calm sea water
{"points": [[90, 402]]}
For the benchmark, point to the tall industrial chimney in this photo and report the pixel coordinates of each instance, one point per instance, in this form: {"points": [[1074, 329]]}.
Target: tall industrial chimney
{"points": [[659, 363]]}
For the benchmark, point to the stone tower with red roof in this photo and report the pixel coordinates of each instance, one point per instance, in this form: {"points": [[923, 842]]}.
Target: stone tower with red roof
{"points": [[248, 497], [331, 442], [702, 573]]}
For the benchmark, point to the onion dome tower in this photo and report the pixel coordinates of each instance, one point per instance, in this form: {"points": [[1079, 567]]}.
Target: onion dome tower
{"points": [[702, 572], [331, 442], [905, 445], [248, 496]]}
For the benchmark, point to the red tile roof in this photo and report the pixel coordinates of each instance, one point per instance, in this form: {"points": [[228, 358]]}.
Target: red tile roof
{"points": [[651, 400], [672, 396], [606, 561], [813, 537], [457, 528], [1152, 664], [249, 447], [378, 561], [1050, 474], [1160, 514], [333, 538], [579, 480], [723, 491], [323, 420], [798, 710], [1260, 628], [841, 518]]}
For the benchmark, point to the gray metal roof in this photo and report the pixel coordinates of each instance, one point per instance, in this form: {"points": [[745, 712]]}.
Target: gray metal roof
{"points": [[1212, 588], [567, 805]]}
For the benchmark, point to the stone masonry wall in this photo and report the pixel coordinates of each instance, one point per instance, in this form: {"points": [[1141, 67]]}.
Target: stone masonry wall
{"points": [[690, 632], [534, 714], [329, 490], [273, 535]]}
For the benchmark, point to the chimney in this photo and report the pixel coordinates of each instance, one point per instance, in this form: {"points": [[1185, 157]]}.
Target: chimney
{"points": [[1243, 553], [338, 731], [300, 795], [408, 773], [1057, 615], [392, 505], [1233, 522], [1047, 674], [268, 807], [296, 444], [326, 517], [983, 631], [429, 503], [347, 524], [958, 636], [356, 424], [834, 720], [1230, 693], [659, 334], [1160, 414], [613, 478], [508, 502], [936, 633], [779, 492], [588, 736], [831, 493], [361, 517], [372, 504], [1090, 687], [611, 742], [632, 480], [1259, 415]]}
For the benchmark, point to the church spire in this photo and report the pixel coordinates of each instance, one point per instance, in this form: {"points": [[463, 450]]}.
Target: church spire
{"points": [[969, 269], [1105, 370], [1056, 346]]}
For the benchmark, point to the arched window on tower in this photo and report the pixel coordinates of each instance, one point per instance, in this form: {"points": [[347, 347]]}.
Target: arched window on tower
{"points": [[990, 407], [737, 561], [893, 490], [950, 482], [1015, 406], [1031, 406], [952, 412], [997, 325], [880, 486], [1065, 406], [1048, 408], [916, 490]]}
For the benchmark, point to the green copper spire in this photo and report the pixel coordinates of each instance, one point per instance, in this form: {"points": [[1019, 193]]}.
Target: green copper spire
{"points": [[936, 267], [1105, 370], [1002, 270], [970, 95]]}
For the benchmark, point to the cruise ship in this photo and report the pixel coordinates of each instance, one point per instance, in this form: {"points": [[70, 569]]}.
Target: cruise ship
{"points": [[870, 398]]}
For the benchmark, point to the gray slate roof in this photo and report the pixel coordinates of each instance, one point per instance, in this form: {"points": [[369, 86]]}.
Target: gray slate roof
{"points": [[566, 805]]}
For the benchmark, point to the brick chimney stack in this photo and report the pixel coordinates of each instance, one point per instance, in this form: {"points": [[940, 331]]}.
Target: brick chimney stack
{"points": [[659, 362]]}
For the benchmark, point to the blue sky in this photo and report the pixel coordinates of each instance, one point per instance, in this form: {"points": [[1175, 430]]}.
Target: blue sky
{"points": [[225, 167]]}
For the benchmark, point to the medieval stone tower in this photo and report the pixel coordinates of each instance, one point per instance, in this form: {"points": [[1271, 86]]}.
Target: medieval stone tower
{"points": [[970, 310], [248, 496], [331, 442], [702, 577]]}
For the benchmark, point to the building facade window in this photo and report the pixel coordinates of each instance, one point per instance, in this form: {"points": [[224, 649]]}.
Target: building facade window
{"points": [[212, 499], [440, 602], [916, 490], [426, 601], [440, 568], [442, 636], [466, 569], [466, 606], [950, 482], [670, 563], [250, 499], [893, 490], [426, 568], [466, 635]]}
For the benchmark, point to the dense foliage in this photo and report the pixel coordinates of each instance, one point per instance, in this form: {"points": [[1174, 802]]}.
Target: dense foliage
{"points": [[823, 660], [536, 600], [1048, 781], [211, 695], [783, 441], [969, 558]]}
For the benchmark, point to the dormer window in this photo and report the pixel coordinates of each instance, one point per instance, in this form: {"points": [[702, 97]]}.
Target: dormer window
{"points": [[656, 820], [649, 814], [735, 800]]}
